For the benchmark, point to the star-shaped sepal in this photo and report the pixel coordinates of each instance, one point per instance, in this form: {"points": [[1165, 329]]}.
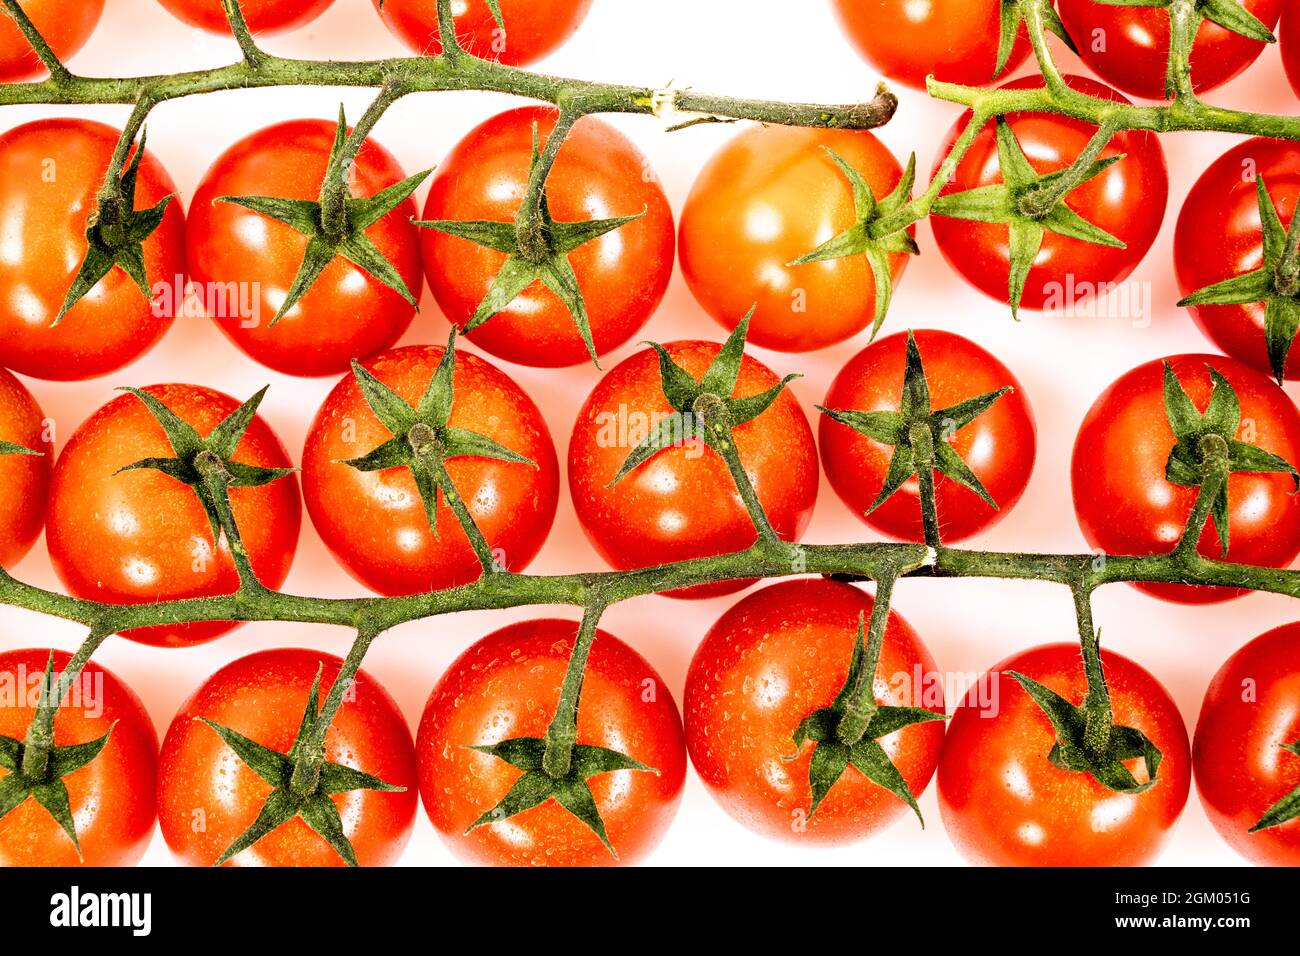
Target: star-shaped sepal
{"points": [[1286, 809], [1028, 205], [897, 429], [1275, 284], [9, 448], [1013, 16], [570, 791], [871, 235], [285, 803], [1197, 434], [347, 240]]}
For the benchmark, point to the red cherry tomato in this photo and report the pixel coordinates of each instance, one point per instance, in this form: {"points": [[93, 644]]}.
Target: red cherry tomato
{"points": [[262, 16], [1251, 711], [533, 28], [775, 658], [770, 196], [24, 478], [112, 797], [683, 503], [1289, 40], [140, 536], [50, 174], [263, 697], [999, 446], [599, 174], [66, 25], [375, 522], [1005, 804], [956, 41], [1127, 200], [507, 686], [1128, 47], [244, 263], [1220, 236], [1126, 506]]}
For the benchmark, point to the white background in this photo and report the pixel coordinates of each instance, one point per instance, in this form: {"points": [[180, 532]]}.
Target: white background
{"points": [[760, 48]]}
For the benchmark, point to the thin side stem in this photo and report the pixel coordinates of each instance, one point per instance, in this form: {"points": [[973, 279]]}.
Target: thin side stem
{"points": [[1098, 715], [562, 734], [58, 72], [862, 705]]}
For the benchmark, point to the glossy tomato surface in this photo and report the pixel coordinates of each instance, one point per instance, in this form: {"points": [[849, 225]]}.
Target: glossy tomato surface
{"points": [[507, 686], [112, 797], [999, 446], [774, 659], [138, 537], [771, 195], [1127, 200], [66, 25], [262, 16], [598, 174], [1126, 506], [50, 174], [533, 28], [1289, 40], [1220, 236], [263, 697], [1005, 804], [375, 522], [347, 313], [1251, 711], [683, 503], [25, 479]]}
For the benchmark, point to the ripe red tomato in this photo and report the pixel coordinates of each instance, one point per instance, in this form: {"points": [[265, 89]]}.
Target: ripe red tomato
{"points": [[112, 797], [1220, 236], [599, 174], [768, 197], [50, 174], [244, 263], [66, 25], [141, 536], [533, 28], [1289, 40], [999, 446], [1127, 200], [24, 478], [956, 41], [683, 503], [375, 523], [1250, 713], [262, 16], [263, 696], [1005, 804], [774, 659], [507, 686], [1126, 506], [1128, 47]]}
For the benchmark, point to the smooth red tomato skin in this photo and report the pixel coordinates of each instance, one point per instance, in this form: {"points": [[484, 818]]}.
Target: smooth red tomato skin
{"points": [[1289, 41], [769, 196], [1127, 200], [1128, 47], [534, 28], [140, 536], [775, 658], [1125, 505], [956, 41], [1252, 708], [112, 797], [683, 503], [1219, 236], [507, 686], [375, 523], [50, 173], [599, 174], [347, 314], [263, 697], [24, 478], [66, 25], [999, 446], [1005, 804], [262, 16]]}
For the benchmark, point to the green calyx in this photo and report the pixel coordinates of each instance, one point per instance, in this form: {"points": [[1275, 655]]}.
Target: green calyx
{"points": [[1029, 205], [920, 437], [1013, 16], [336, 224], [872, 234], [1286, 809], [1275, 284], [9, 448]]}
